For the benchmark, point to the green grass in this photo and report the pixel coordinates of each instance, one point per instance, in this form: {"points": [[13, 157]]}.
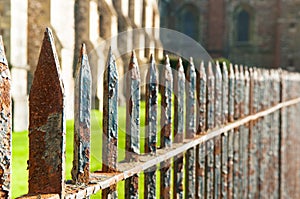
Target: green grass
{"points": [[20, 149]]}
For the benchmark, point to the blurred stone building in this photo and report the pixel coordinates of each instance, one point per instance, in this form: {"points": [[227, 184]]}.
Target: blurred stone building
{"points": [[22, 25], [261, 33]]}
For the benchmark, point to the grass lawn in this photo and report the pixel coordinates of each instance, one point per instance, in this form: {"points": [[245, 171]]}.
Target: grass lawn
{"points": [[20, 149]]}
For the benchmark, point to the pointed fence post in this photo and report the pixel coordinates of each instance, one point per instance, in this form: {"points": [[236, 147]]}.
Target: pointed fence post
{"points": [[201, 128], [231, 83], [236, 138], [217, 140], [110, 122], [47, 124], [151, 127], [246, 131], [82, 121], [253, 159], [166, 125], [190, 91], [243, 137], [210, 125], [224, 137], [179, 89], [132, 123], [5, 133]]}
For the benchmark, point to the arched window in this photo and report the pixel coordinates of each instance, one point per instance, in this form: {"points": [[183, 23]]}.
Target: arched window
{"points": [[243, 26]]}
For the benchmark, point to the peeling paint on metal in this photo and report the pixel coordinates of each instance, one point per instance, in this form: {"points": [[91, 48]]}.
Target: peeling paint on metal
{"points": [[47, 124], [132, 122], [82, 112], [151, 127], [110, 121], [166, 124], [5, 121]]}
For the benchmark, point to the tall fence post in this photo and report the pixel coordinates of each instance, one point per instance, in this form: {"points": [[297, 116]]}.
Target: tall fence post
{"points": [[166, 125], [236, 138], [179, 84], [110, 122], [82, 124], [217, 139], [209, 173], [253, 138], [224, 137], [5, 133], [151, 127], [231, 83], [201, 128], [47, 124], [190, 91], [132, 123]]}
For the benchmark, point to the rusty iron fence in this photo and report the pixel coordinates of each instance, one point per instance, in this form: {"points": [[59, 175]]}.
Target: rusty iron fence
{"points": [[233, 131]]}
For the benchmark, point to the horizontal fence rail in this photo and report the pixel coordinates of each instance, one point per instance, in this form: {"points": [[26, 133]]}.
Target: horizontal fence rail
{"points": [[226, 131]]}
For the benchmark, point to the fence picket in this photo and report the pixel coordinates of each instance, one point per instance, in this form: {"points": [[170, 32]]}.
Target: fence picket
{"points": [[110, 122], [5, 121], [224, 137], [190, 130], [231, 83], [201, 124], [166, 125], [151, 127], [209, 173], [217, 140], [179, 89], [132, 123], [47, 124], [82, 116]]}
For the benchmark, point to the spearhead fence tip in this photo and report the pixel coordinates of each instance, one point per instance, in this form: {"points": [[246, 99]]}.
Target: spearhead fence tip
{"points": [[167, 62], [83, 49], [210, 70]]}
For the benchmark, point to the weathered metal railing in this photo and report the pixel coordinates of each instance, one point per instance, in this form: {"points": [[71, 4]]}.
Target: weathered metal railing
{"points": [[239, 138]]}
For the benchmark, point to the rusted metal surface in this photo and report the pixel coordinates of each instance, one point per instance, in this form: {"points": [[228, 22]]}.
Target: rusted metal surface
{"points": [[201, 129], [224, 137], [151, 127], [243, 142], [231, 83], [190, 91], [210, 97], [225, 93], [82, 113], [47, 124], [40, 196], [166, 104], [110, 121], [201, 99], [166, 125], [5, 120], [209, 172], [275, 139], [236, 136], [132, 123], [179, 89], [190, 131], [245, 133], [217, 140], [253, 142], [264, 157], [100, 180]]}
